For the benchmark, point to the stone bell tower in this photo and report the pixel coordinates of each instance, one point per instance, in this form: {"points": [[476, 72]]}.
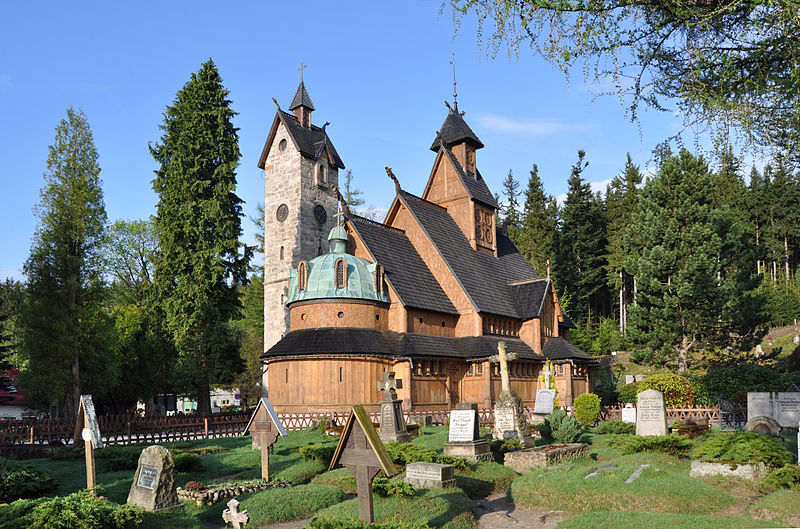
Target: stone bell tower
{"points": [[301, 166]]}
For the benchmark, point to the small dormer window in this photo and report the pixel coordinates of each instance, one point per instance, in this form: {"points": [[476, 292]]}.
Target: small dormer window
{"points": [[302, 275], [379, 278], [341, 273], [322, 175]]}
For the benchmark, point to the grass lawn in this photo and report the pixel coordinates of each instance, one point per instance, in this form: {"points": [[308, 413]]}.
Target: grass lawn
{"points": [[781, 506], [638, 520]]}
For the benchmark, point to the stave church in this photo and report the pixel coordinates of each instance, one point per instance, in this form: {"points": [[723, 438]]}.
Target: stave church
{"points": [[428, 293]]}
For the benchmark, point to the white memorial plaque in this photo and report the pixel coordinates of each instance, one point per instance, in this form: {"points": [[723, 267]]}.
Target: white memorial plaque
{"points": [[462, 426], [629, 414], [545, 400]]}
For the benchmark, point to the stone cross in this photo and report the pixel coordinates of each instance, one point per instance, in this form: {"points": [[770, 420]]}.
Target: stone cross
{"points": [[388, 385], [233, 515], [547, 372], [503, 359]]}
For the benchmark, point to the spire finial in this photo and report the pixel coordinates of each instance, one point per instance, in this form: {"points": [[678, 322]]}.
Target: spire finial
{"points": [[455, 92], [394, 178], [302, 67]]}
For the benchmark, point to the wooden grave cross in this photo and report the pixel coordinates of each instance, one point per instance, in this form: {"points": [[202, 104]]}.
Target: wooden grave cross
{"points": [[389, 385], [363, 453], [265, 426], [233, 515], [87, 428], [503, 359]]}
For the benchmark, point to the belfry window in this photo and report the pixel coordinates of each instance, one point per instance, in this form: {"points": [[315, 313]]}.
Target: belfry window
{"points": [[302, 275], [341, 273], [322, 175]]}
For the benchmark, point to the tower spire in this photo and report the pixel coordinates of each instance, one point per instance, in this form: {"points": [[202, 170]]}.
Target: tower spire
{"points": [[455, 92]]}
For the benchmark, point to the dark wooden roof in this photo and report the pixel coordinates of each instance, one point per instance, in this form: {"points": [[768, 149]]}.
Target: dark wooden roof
{"points": [[558, 348], [310, 141], [567, 322], [474, 183], [301, 98], [455, 130], [405, 270], [530, 297], [484, 277], [358, 341]]}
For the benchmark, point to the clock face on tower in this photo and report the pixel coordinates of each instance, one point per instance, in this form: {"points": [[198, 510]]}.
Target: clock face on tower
{"points": [[320, 215]]}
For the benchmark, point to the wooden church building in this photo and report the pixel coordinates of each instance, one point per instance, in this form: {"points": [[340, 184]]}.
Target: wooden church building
{"points": [[428, 293]]}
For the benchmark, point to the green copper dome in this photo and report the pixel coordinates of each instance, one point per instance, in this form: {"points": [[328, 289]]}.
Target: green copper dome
{"points": [[354, 279]]}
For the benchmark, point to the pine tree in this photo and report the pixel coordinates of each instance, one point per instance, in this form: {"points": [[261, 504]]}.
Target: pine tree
{"points": [[695, 287], [200, 262], [580, 262], [64, 326], [536, 236], [509, 212], [352, 195]]}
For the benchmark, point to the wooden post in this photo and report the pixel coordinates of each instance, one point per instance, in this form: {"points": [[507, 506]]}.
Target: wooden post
{"points": [[90, 469], [205, 423], [364, 488], [265, 445], [129, 432], [31, 434]]}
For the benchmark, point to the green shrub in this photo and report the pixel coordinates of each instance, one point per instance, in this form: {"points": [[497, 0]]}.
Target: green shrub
{"points": [[500, 446], [560, 427], [22, 481], [322, 452], [405, 453], [746, 447], [116, 458], [782, 478], [735, 381], [677, 390], [80, 510], [188, 463], [667, 444], [628, 392], [614, 426], [318, 523], [392, 487], [587, 408]]}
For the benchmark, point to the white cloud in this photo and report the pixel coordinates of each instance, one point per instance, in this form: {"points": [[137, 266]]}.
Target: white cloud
{"points": [[537, 127], [594, 186]]}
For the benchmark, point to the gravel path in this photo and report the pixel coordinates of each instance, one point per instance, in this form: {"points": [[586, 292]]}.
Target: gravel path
{"points": [[497, 512]]}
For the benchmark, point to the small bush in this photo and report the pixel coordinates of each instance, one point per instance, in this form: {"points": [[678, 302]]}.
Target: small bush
{"points": [[405, 453], [193, 485], [628, 392], [614, 426], [746, 447], [677, 390], [188, 463], [80, 510], [665, 444], [115, 458], [318, 523], [587, 408], [560, 427], [322, 452], [783, 478], [21, 481], [393, 487]]}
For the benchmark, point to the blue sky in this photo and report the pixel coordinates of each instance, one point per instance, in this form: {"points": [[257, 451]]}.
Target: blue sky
{"points": [[378, 72]]}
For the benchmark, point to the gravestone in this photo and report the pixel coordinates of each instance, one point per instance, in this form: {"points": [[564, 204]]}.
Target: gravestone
{"points": [[784, 407], [651, 414], [430, 475], [153, 485], [545, 400], [234, 516], [630, 379], [264, 427], [509, 415], [764, 425], [393, 424], [463, 437], [361, 450], [629, 413]]}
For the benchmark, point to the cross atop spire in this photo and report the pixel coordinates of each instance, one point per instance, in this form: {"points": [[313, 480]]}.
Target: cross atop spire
{"points": [[455, 92], [302, 67]]}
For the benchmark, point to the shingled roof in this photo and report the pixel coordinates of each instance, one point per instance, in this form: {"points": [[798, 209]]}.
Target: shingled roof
{"points": [[455, 130], [557, 348], [404, 269], [359, 341], [484, 277], [530, 297], [475, 184], [309, 140], [301, 98]]}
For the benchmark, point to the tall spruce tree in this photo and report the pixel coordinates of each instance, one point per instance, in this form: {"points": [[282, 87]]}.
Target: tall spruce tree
{"points": [[622, 197], [695, 286], [200, 262], [536, 235], [509, 212], [65, 328], [580, 264]]}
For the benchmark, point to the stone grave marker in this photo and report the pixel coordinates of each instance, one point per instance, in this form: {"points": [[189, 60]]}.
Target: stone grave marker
{"points": [[234, 516], [463, 438], [430, 475], [153, 485], [264, 427], [361, 450], [784, 407], [651, 414], [545, 400], [87, 428], [509, 415], [393, 423], [463, 426], [629, 413]]}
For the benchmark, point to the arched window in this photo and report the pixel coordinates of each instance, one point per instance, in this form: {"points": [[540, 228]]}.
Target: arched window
{"points": [[379, 278], [341, 273], [302, 275]]}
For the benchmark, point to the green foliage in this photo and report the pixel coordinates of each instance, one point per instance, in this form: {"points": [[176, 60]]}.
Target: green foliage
{"points": [[392, 487], [677, 390], [250, 331], [188, 463], [484, 479], [628, 392], [115, 458], [200, 261], [782, 478], [746, 447], [535, 237], [318, 523], [666, 444], [405, 453], [737, 379], [322, 452], [339, 477], [614, 426], [80, 510], [587, 408], [560, 428], [19, 480]]}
